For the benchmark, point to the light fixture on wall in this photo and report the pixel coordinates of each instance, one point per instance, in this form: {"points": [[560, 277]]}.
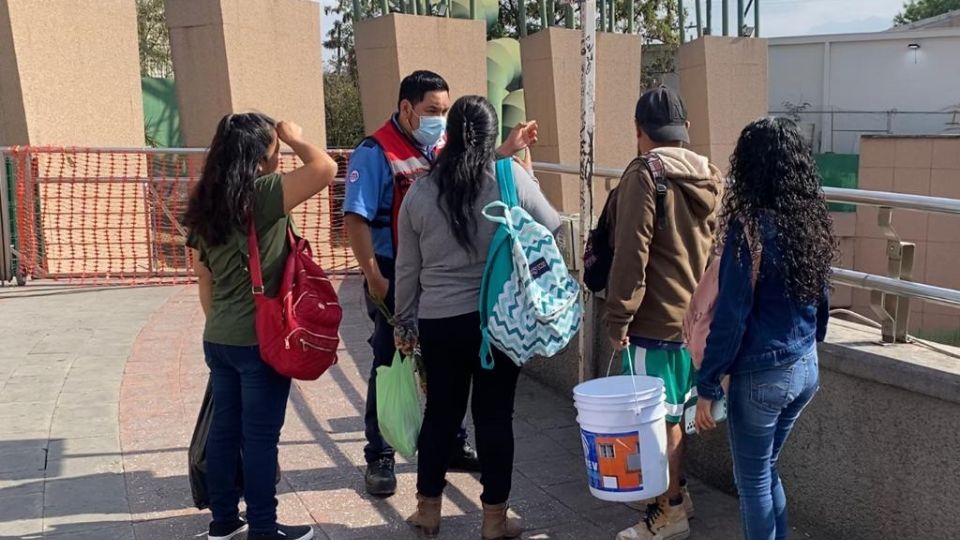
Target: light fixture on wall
{"points": [[915, 47]]}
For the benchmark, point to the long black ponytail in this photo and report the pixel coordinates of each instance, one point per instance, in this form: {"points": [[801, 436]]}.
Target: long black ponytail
{"points": [[223, 199], [472, 128]]}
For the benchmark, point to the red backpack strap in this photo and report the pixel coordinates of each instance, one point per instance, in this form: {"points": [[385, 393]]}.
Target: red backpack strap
{"points": [[256, 272]]}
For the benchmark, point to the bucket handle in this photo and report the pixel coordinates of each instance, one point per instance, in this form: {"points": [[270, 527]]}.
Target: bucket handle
{"points": [[633, 370]]}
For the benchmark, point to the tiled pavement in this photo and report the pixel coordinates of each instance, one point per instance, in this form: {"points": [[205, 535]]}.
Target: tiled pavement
{"points": [[99, 390]]}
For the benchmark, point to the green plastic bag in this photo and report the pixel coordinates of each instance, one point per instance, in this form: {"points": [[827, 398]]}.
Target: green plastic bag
{"points": [[398, 405]]}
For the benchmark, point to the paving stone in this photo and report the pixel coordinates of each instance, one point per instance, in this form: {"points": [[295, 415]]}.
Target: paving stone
{"points": [[135, 382], [104, 395], [21, 515], [77, 447], [22, 463], [25, 424], [29, 390], [39, 410], [95, 530], [83, 427]]}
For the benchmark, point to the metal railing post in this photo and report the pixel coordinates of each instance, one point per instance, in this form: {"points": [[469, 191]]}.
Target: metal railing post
{"points": [[603, 14], [756, 18], [725, 6], [682, 20], [699, 15], [709, 29], [893, 310], [522, 18], [588, 82], [6, 244], [740, 19]]}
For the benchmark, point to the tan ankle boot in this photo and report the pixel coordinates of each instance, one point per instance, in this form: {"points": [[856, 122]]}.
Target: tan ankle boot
{"points": [[497, 525], [427, 517]]}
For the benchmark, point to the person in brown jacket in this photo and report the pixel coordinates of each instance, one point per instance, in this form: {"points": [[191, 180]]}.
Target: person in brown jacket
{"points": [[658, 261]]}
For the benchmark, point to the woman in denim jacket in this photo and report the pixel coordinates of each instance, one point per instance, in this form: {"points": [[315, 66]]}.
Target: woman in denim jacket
{"points": [[765, 334]]}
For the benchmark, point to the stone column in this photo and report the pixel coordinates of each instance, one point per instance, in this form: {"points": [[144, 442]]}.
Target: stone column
{"points": [[239, 56], [390, 48], [724, 83], [69, 73], [551, 83]]}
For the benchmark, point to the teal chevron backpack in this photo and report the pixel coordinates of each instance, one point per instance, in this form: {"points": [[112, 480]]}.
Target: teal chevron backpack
{"points": [[529, 302]]}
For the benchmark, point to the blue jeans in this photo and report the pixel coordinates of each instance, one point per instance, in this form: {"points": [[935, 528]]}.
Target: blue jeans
{"points": [[249, 404], [764, 405]]}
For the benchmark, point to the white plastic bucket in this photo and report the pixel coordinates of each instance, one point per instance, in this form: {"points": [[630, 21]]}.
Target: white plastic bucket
{"points": [[624, 437]]}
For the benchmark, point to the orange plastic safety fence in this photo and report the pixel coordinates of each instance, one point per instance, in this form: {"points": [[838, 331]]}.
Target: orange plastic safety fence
{"points": [[93, 215]]}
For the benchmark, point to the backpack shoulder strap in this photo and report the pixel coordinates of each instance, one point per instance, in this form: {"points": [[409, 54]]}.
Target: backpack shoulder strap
{"points": [[508, 185], [256, 272], [658, 174], [499, 262]]}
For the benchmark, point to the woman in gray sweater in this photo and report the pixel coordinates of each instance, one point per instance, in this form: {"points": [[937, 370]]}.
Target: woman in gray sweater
{"points": [[443, 244]]}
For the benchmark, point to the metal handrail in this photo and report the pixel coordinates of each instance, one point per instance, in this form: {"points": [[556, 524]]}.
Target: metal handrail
{"points": [[888, 199], [843, 276]]}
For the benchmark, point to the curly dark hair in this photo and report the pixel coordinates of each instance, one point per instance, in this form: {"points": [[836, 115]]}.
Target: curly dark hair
{"points": [[773, 173]]}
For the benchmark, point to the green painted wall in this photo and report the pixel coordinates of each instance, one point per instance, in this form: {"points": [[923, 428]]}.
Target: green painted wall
{"points": [[839, 170], [161, 114]]}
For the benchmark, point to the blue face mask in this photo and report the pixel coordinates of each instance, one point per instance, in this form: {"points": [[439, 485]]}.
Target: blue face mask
{"points": [[430, 130]]}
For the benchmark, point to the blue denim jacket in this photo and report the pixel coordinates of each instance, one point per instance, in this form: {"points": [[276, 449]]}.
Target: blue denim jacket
{"points": [[756, 327]]}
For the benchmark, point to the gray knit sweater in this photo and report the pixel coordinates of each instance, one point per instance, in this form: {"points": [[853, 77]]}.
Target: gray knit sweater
{"points": [[437, 278]]}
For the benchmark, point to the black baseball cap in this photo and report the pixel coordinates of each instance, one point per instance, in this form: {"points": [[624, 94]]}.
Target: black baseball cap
{"points": [[662, 115]]}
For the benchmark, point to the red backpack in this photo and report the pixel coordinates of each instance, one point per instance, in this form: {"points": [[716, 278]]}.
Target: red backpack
{"points": [[298, 329]]}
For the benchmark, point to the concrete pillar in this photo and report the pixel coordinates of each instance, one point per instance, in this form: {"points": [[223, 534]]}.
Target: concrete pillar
{"points": [[390, 48], [724, 83], [238, 56], [551, 83], [69, 73]]}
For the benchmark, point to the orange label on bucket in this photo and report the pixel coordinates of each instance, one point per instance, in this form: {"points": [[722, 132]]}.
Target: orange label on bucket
{"points": [[613, 461]]}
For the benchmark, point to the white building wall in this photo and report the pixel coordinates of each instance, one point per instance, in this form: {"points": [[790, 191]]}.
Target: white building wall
{"points": [[868, 75]]}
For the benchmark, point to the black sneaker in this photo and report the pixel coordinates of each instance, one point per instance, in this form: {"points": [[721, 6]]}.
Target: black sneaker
{"points": [[285, 532], [380, 479], [464, 458], [226, 531]]}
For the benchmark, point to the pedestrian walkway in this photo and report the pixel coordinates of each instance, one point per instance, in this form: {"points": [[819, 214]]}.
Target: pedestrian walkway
{"points": [[99, 391]]}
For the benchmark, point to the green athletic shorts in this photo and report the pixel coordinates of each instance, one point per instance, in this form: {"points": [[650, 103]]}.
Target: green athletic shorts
{"points": [[675, 368]]}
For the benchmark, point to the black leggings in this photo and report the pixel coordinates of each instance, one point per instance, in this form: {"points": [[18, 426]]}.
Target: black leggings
{"points": [[451, 349]]}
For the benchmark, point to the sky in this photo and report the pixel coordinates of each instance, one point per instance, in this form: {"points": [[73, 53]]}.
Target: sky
{"points": [[796, 17]]}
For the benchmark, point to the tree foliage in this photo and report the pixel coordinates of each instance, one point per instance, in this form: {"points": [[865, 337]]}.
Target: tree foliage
{"points": [[917, 10], [344, 115], [154, 39]]}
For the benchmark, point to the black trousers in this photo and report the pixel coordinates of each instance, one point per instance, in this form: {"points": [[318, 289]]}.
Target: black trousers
{"points": [[451, 349]]}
